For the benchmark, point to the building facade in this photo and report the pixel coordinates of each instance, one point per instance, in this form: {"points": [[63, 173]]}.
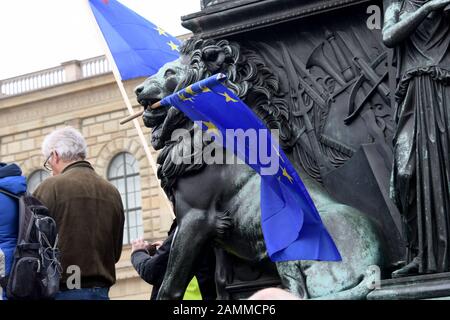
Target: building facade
{"points": [[84, 94]]}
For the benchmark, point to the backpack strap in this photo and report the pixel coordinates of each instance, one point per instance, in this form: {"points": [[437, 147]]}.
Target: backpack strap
{"points": [[10, 194], [25, 219]]}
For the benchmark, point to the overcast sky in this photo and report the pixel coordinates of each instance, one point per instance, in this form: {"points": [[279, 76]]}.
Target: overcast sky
{"points": [[39, 34]]}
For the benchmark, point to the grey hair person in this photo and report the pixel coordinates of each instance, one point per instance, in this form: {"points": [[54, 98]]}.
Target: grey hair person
{"points": [[68, 143]]}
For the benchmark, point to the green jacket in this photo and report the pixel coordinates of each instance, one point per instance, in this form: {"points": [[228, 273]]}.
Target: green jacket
{"points": [[89, 215]]}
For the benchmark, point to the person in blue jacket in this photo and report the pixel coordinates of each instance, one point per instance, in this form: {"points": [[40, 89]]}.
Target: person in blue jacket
{"points": [[12, 181]]}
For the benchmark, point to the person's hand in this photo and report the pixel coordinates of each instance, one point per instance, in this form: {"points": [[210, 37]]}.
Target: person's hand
{"points": [[157, 244], [138, 244], [436, 5]]}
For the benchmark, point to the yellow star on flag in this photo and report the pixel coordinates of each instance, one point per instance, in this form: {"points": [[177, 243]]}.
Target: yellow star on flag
{"points": [[286, 174], [160, 31], [206, 89], [227, 97], [173, 46], [190, 91], [183, 98], [211, 126]]}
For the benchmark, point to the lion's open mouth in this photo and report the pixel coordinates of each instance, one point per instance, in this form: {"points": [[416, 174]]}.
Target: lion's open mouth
{"points": [[145, 102]]}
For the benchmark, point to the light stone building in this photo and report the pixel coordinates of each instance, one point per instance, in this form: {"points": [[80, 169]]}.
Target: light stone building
{"points": [[84, 94]]}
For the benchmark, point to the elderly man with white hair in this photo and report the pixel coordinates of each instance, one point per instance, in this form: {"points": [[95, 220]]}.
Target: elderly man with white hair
{"points": [[89, 215]]}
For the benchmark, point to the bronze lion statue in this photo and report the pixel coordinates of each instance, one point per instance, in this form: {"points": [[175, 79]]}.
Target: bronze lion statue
{"points": [[219, 203]]}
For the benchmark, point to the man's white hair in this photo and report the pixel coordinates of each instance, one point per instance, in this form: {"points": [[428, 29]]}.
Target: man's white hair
{"points": [[68, 143]]}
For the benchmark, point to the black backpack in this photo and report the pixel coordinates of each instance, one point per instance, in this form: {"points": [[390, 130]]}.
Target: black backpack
{"points": [[36, 269]]}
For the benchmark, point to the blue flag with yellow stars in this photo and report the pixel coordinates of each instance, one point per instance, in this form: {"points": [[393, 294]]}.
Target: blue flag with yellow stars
{"points": [[291, 225], [139, 48]]}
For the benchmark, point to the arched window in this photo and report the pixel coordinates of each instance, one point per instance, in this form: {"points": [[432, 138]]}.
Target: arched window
{"points": [[35, 179], [123, 172]]}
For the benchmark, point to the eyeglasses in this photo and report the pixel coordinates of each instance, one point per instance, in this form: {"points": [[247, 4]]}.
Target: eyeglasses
{"points": [[46, 164]]}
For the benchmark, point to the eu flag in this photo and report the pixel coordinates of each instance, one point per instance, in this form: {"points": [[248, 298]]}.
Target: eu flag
{"points": [[292, 227], [139, 48]]}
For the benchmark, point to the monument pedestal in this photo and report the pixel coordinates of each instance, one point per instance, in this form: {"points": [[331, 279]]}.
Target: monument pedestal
{"points": [[430, 286]]}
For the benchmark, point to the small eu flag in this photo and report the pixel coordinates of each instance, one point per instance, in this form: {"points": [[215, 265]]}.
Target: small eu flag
{"points": [[139, 48], [292, 227]]}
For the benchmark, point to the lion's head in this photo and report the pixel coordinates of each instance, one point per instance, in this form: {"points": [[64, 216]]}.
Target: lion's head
{"points": [[247, 76], [155, 88]]}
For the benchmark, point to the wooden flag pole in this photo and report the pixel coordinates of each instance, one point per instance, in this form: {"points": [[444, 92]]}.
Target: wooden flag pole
{"points": [[125, 98], [140, 113]]}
